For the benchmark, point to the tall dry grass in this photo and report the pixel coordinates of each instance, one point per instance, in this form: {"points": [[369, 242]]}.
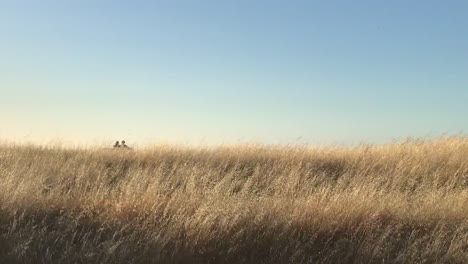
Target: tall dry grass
{"points": [[399, 203]]}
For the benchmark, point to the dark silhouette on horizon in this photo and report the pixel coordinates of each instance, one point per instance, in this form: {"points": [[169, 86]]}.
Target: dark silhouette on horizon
{"points": [[121, 145]]}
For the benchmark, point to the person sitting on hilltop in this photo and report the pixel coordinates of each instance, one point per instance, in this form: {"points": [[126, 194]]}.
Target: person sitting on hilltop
{"points": [[117, 145], [123, 144]]}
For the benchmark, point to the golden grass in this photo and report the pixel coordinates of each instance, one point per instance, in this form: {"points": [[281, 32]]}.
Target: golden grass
{"points": [[398, 203]]}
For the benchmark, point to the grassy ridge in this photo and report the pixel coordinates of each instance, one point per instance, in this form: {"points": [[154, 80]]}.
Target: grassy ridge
{"points": [[402, 203]]}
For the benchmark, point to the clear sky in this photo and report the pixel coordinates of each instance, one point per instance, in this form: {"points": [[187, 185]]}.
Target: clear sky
{"points": [[217, 71]]}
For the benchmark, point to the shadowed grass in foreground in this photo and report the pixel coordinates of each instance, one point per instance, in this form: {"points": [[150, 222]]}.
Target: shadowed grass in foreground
{"points": [[400, 203]]}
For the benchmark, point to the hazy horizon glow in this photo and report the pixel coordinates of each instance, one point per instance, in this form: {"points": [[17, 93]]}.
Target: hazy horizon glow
{"points": [[232, 71]]}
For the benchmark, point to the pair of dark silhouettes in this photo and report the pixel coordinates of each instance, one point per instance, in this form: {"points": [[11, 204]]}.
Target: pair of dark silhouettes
{"points": [[118, 145]]}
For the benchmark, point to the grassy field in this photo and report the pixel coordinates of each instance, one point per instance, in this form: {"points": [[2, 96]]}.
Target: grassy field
{"points": [[398, 203]]}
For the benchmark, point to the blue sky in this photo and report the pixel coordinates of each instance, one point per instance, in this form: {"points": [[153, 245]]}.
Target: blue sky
{"points": [[216, 72]]}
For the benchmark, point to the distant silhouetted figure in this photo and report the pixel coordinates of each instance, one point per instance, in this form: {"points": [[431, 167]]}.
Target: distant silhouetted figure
{"points": [[123, 144], [117, 145]]}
